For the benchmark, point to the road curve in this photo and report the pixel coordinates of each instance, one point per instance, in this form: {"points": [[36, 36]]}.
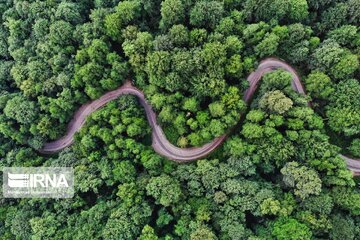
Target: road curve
{"points": [[159, 141]]}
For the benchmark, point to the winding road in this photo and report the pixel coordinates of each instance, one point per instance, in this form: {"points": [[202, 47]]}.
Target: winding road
{"points": [[159, 141]]}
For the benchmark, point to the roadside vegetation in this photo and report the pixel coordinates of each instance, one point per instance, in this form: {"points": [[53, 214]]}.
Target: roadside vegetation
{"points": [[278, 175]]}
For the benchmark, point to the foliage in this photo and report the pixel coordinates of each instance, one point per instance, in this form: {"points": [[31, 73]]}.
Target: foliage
{"points": [[319, 85], [277, 176], [355, 147], [276, 102], [291, 229], [304, 180], [343, 111]]}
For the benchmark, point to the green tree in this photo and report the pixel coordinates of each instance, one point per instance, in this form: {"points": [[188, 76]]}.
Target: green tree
{"points": [[298, 10], [276, 102], [334, 16], [276, 9], [289, 228], [69, 12], [267, 46], [319, 85], [126, 222], [345, 35], [322, 204], [353, 11], [355, 147], [126, 12], [45, 226], [330, 57], [172, 12], [343, 228], [148, 233], [217, 128], [179, 35], [203, 233], [61, 33], [217, 109], [164, 189], [124, 171], [206, 14], [277, 79], [304, 180], [21, 109], [191, 104], [342, 111]]}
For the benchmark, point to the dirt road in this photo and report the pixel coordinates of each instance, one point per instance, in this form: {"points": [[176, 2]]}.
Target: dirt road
{"points": [[159, 141]]}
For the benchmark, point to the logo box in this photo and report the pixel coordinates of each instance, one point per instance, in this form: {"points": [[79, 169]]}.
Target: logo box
{"points": [[38, 182]]}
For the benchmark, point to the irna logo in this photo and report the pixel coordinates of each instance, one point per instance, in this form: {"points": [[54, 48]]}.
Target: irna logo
{"points": [[42, 182], [37, 180]]}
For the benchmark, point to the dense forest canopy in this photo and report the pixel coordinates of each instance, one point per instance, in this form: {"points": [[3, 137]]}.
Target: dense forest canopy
{"points": [[277, 176]]}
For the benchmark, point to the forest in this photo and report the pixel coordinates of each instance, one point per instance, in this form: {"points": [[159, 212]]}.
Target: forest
{"points": [[277, 176]]}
